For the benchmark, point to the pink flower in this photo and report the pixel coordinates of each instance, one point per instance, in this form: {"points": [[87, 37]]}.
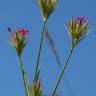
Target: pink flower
{"points": [[23, 31], [77, 29], [81, 19], [18, 39]]}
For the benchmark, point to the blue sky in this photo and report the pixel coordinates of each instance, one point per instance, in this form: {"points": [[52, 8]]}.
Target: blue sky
{"points": [[79, 79]]}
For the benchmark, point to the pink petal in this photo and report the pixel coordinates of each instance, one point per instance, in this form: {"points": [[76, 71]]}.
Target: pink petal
{"points": [[81, 19], [23, 31]]}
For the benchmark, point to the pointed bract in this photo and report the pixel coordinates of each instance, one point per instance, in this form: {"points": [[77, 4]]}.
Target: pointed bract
{"points": [[18, 40], [47, 7], [77, 29]]}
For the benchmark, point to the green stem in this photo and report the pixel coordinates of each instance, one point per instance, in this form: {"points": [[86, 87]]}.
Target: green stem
{"points": [[40, 47], [23, 74], [63, 71]]}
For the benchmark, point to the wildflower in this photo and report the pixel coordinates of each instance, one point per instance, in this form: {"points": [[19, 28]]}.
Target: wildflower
{"points": [[23, 31], [77, 29], [47, 7], [18, 39]]}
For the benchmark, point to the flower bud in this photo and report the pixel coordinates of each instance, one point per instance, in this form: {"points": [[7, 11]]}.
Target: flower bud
{"points": [[47, 7], [77, 29], [18, 40]]}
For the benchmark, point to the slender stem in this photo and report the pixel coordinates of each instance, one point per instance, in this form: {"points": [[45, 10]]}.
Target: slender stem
{"points": [[23, 74], [40, 47], [63, 71]]}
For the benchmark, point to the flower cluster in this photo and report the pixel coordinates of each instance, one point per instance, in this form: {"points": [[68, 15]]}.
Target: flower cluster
{"points": [[77, 29], [47, 7], [18, 39]]}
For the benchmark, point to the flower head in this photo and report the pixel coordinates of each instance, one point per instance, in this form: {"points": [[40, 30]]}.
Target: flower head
{"points": [[77, 29], [23, 31], [18, 39], [47, 7], [81, 19]]}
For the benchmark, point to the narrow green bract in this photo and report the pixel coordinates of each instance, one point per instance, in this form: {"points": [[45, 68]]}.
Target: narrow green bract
{"points": [[77, 29], [47, 7]]}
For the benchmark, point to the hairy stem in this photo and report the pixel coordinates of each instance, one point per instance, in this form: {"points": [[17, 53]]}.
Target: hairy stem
{"points": [[63, 71], [39, 52]]}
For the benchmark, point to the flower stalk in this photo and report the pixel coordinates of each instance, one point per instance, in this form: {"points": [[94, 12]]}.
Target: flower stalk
{"points": [[63, 71], [18, 42], [39, 51], [47, 7], [77, 29], [23, 75]]}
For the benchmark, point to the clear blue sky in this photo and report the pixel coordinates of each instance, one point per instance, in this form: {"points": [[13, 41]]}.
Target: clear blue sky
{"points": [[80, 77]]}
